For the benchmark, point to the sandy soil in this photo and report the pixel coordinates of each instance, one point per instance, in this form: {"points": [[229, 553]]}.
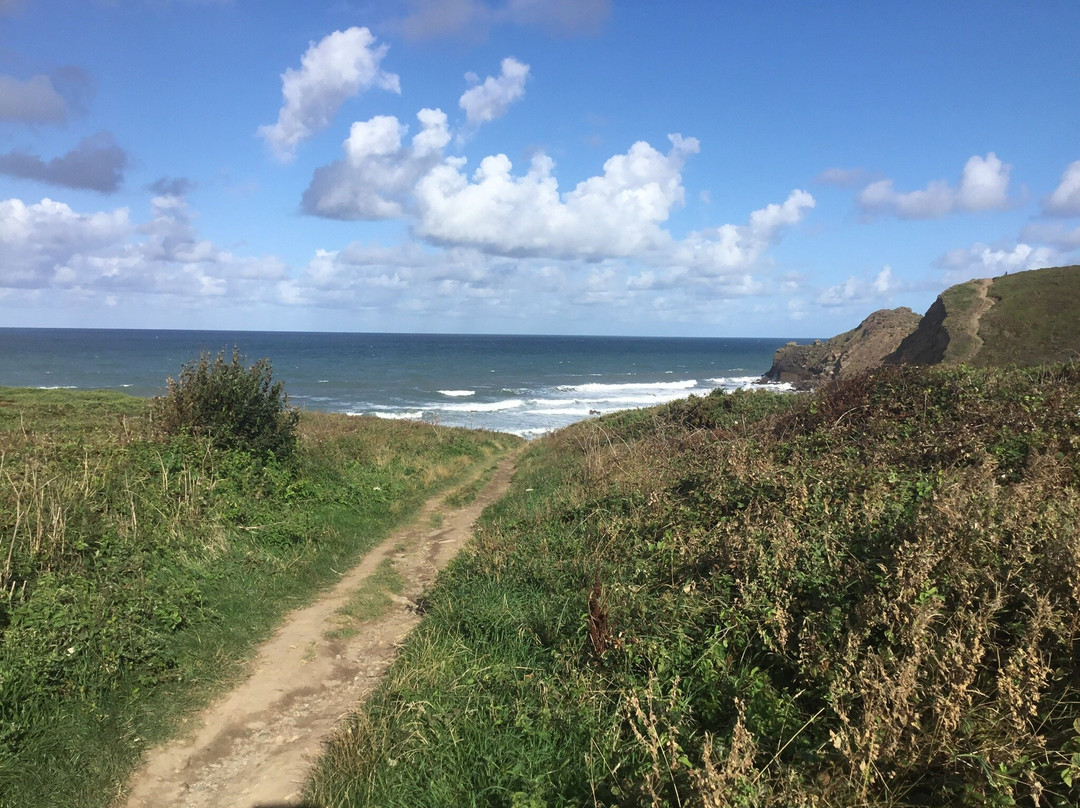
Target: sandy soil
{"points": [[254, 745]]}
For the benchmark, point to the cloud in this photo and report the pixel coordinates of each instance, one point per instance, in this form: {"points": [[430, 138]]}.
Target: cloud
{"points": [[408, 284], [565, 17], [932, 203], [431, 19], [843, 177], [472, 19], [1054, 233], [34, 100], [49, 246], [97, 163], [35, 238], [407, 277], [617, 213], [983, 186], [728, 247], [377, 177], [490, 100], [855, 291], [501, 236], [338, 67], [1065, 200], [981, 261], [76, 86], [375, 180], [171, 186]]}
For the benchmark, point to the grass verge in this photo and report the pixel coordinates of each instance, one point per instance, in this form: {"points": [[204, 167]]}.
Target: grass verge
{"points": [[137, 574], [1033, 318]]}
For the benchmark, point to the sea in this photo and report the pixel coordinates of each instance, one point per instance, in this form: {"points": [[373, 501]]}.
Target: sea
{"points": [[527, 385]]}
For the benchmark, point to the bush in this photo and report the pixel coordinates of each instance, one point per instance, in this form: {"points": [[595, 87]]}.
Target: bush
{"points": [[235, 406]]}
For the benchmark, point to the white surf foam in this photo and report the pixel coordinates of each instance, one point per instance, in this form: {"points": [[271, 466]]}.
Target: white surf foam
{"points": [[484, 406], [602, 388]]}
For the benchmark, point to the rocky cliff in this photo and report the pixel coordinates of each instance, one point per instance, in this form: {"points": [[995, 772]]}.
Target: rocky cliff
{"points": [[863, 347], [1027, 318]]}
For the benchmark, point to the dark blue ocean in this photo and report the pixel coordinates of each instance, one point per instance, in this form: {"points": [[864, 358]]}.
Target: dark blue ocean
{"points": [[528, 385]]}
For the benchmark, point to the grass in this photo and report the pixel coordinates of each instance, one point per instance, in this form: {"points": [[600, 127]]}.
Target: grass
{"points": [[961, 302], [138, 573], [468, 491], [1034, 318], [865, 596], [369, 601]]}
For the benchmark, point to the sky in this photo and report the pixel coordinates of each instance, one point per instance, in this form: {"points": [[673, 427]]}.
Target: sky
{"points": [[610, 167]]}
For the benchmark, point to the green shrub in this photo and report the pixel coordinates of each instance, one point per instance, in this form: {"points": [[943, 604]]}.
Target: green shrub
{"points": [[236, 406]]}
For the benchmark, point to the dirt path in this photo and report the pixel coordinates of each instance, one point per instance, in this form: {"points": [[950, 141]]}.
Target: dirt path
{"points": [[254, 745], [982, 305]]}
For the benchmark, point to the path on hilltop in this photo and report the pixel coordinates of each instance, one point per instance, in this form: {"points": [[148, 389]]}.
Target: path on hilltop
{"points": [[253, 746], [970, 323]]}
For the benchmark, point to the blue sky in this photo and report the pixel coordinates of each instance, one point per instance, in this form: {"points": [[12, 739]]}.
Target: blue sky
{"points": [[522, 166]]}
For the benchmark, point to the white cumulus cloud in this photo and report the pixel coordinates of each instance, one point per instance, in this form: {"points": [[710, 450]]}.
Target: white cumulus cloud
{"points": [[856, 291], [490, 100], [1065, 200], [982, 261], [884, 282], [47, 245], [727, 247], [983, 185], [608, 236], [35, 239], [617, 213], [338, 67], [375, 180]]}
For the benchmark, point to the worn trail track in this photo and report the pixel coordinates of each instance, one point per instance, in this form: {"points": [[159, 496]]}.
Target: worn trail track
{"points": [[253, 746], [982, 305]]}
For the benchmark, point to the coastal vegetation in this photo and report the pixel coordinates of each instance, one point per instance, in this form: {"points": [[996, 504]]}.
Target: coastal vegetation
{"points": [[868, 595], [144, 553], [234, 405], [1026, 319], [1033, 315]]}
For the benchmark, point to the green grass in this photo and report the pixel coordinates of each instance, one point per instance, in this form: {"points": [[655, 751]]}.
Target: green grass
{"points": [[137, 573], [468, 491], [960, 303], [369, 601], [1034, 318], [867, 596]]}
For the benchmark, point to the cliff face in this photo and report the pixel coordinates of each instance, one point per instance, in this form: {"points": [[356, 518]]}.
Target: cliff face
{"points": [[863, 347], [1027, 318], [926, 344]]}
